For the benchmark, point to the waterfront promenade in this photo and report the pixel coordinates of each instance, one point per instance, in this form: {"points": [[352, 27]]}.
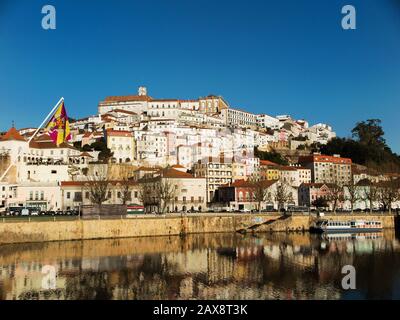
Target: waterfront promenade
{"points": [[37, 230]]}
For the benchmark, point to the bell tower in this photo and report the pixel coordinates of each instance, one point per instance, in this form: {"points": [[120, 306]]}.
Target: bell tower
{"points": [[142, 91]]}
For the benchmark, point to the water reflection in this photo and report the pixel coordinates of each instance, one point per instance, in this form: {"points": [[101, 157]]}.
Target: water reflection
{"points": [[213, 266]]}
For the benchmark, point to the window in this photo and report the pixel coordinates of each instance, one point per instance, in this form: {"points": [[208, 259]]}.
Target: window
{"points": [[42, 195], [87, 195], [68, 195], [109, 195]]}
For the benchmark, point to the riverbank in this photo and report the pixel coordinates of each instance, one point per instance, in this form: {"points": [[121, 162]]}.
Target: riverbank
{"points": [[40, 231]]}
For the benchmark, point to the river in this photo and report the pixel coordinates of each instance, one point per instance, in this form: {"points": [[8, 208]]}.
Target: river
{"points": [[203, 266]]}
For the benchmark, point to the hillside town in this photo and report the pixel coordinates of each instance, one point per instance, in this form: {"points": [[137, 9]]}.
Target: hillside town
{"points": [[179, 156]]}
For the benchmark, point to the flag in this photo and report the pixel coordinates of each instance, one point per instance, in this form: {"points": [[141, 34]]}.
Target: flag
{"points": [[58, 126]]}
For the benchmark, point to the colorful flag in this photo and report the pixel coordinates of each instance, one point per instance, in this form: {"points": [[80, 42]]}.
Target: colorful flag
{"points": [[58, 126]]}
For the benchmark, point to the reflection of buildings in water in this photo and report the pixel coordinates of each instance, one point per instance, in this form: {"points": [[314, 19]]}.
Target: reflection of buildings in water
{"points": [[298, 256], [243, 268], [24, 280]]}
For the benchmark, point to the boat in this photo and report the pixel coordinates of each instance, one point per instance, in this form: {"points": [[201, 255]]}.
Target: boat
{"points": [[350, 226]]}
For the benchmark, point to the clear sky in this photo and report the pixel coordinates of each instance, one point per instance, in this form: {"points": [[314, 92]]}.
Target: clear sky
{"points": [[275, 57]]}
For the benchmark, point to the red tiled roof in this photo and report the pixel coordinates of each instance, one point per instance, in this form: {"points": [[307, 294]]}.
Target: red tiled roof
{"points": [[172, 173], [267, 163], [178, 166], [324, 158], [119, 133], [49, 145], [12, 134], [85, 154], [127, 98]]}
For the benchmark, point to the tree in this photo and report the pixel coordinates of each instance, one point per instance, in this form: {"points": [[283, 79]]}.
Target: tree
{"points": [[158, 191], [167, 192], [270, 156], [370, 193], [352, 195], [367, 148], [260, 190], [369, 133], [335, 195], [282, 195], [388, 192], [147, 192], [105, 154], [98, 186], [126, 194]]}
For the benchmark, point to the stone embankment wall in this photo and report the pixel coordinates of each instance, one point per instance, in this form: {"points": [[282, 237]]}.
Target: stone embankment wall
{"points": [[19, 232]]}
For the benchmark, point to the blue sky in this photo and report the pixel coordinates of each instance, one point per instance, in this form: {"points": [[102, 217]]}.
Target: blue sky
{"points": [[275, 57]]}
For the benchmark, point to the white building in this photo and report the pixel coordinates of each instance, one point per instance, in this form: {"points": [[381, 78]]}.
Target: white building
{"points": [[239, 118], [122, 145], [266, 121]]}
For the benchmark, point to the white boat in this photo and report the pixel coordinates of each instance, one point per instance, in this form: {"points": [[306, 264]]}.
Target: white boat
{"points": [[351, 226]]}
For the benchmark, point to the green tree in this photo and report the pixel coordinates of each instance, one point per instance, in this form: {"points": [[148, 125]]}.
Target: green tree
{"points": [[271, 156], [369, 132]]}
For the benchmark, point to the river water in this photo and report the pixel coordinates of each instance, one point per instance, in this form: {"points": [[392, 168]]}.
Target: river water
{"points": [[207, 266]]}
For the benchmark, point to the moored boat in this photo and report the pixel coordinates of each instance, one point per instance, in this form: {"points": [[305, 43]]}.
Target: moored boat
{"points": [[351, 226]]}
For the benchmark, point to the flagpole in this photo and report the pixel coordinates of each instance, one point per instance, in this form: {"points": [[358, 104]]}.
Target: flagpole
{"points": [[44, 121]]}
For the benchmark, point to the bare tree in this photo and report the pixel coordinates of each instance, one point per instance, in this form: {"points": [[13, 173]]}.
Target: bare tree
{"points": [[388, 192], [147, 192], [371, 194], [166, 190], [282, 195], [98, 186], [159, 192], [352, 194], [126, 190], [260, 190], [335, 195]]}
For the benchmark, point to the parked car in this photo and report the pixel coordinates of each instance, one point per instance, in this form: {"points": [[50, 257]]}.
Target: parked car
{"points": [[25, 212], [34, 212], [51, 213]]}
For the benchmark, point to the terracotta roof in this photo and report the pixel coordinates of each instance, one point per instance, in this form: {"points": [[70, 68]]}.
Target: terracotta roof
{"points": [[324, 158], [267, 163], [172, 173], [119, 133], [49, 145], [178, 166], [127, 98], [12, 134], [85, 154], [43, 138]]}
